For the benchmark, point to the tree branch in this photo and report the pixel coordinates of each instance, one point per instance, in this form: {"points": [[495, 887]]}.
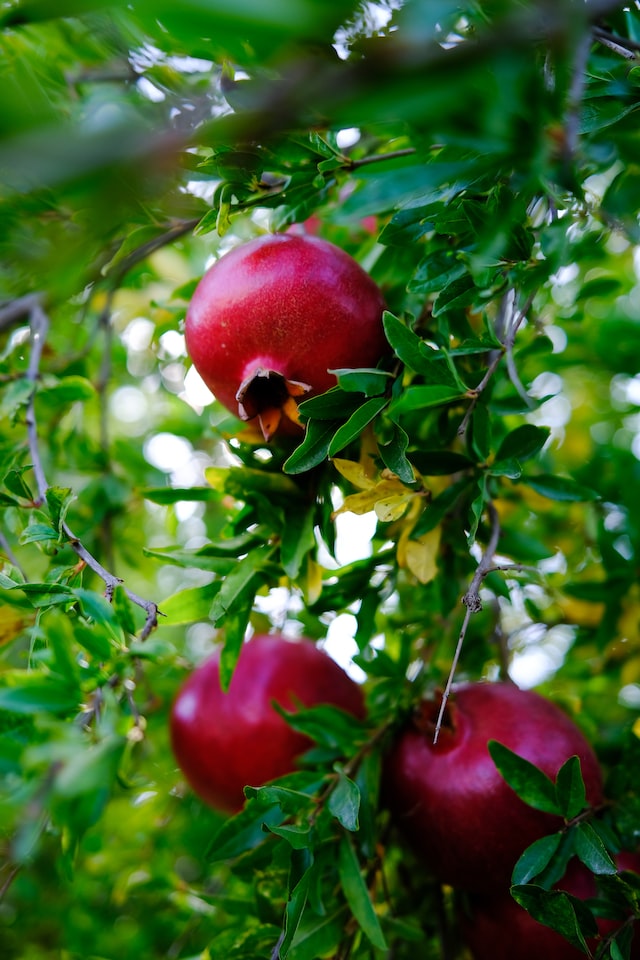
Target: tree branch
{"points": [[39, 322], [473, 603], [624, 46]]}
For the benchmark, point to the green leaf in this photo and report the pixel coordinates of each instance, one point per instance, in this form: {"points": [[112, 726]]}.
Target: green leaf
{"points": [[205, 558], [591, 850], [314, 448], [296, 904], [422, 398], [394, 457], [243, 832], [344, 802], [98, 609], [523, 443], [570, 789], [536, 858], [556, 909], [326, 724], [357, 895], [16, 484], [37, 693], [93, 768], [560, 488], [247, 574], [58, 501], [168, 495], [297, 539], [438, 463], [299, 837], [356, 423], [235, 628], [14, 398], [290, 800], [68, 390], [336, 404], [477, 509], [404, 341], [370, 382], [480, 432], [37, 533], [190, 605], [461, 292], [318, 936], [532, 785]]}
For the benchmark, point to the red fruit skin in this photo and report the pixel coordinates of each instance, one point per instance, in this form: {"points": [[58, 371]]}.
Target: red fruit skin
{"points": [[293, 304], [449, 799], [224, 741], [497, 928]]}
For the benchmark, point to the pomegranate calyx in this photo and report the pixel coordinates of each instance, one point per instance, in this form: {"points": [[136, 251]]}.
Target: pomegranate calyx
{"points": [[268, 395]]}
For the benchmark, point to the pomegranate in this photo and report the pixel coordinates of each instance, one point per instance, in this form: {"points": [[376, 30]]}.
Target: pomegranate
{"points": [[224, 741], [497, 928], [270, 320], [449, 797]]}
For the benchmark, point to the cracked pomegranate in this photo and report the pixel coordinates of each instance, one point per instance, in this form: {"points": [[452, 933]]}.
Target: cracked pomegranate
{"points": [[449, 797], [224, 741], [272, 318]]}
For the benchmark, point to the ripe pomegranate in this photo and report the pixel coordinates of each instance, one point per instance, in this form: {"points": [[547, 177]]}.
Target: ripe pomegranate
{"points": [[224, 741], [271, 318], [449, 797], [497, 928]]}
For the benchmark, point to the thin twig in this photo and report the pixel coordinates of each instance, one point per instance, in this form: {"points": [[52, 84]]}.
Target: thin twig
{"points": [[623, 46], [574, 100], [9, 554], [473, 603], [141, 253], [275, 953], [39, 325], [39, 322], [379, 157], [18, 309], [13, 873]]}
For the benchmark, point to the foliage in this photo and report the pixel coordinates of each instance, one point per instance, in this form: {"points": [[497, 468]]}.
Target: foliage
{"points": [[479, 159]]}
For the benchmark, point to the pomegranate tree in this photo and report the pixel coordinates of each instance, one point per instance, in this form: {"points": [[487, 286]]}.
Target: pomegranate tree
{"points": [[224, 741], [272, 318], [450, 799]]}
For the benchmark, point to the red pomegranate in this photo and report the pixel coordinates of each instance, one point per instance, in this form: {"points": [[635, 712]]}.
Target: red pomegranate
{"points": [[497, 928], [270, 320], [224, 741], [449, 798]]}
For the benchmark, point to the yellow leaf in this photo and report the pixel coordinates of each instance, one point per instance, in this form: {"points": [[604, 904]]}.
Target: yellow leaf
{"points": [[636, 728], [313, 581], [12, 622], [420, 555], [355, 473], [366, 501], [216, 477], [392, 508]]}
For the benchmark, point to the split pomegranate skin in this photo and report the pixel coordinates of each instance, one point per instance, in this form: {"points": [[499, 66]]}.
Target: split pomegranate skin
{"points": [[272, 317], [450, 800], [224, 741]]}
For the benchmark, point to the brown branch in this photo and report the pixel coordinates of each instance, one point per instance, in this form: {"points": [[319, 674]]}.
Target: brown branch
{"points": [[141, 253], [623, 46], [39, 322], [473, 603], [508, 339]]}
